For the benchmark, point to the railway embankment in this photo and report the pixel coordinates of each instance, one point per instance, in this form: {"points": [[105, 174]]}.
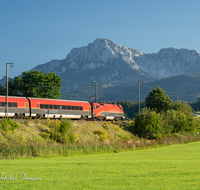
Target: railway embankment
{"points": [[47, 138]]}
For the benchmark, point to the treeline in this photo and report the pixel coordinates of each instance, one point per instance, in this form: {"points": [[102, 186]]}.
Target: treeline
{"points": [[131, 108], [195, 106]]}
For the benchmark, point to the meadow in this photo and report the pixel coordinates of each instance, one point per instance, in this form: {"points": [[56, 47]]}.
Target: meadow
{"points": [[169, 167]]}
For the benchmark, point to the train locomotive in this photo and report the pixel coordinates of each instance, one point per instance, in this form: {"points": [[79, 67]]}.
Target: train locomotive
{"points": [[38, 108]]}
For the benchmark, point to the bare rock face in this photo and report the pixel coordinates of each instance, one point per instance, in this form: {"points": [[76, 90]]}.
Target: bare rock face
{"points": [[111, 64]]}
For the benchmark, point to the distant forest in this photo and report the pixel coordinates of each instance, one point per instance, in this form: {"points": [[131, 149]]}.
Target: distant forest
{"points": [[131, 108]]}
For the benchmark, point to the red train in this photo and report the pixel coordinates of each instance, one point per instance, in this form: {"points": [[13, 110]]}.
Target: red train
{"points": [[20, 107]]}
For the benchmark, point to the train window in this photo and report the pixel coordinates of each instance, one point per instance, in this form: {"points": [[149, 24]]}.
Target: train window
{"points": [[73, 107], [64, 107], [80, 108], [50, 106], [12, 104], [46, 106], [55, 107], [95, 107], [2, 104], [41, 105]]}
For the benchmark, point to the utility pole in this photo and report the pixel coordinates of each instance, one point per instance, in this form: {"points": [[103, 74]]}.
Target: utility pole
{"points": [[139, 94], [177, 95], [6, 101], [95, 90]]}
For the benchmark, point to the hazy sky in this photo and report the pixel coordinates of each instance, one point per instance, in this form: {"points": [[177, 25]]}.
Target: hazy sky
{"points": [[35, 32]]}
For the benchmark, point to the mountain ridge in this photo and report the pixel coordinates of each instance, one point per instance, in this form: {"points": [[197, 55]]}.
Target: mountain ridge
{"points": [[108, 64], [101, 50]]}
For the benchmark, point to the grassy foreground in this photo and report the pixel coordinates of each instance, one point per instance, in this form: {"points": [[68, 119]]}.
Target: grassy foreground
{"points": [[172, 167]]}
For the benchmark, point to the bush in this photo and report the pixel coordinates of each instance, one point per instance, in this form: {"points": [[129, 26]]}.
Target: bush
{"points": [[180, 121], [103, 135], [148, 124], [8, 124], [65, 125], [106, 125], [59, 130], [45, 135], [72, 137]]}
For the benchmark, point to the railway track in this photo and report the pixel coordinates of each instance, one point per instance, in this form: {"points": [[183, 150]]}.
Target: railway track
{"points": [[71, 120]]}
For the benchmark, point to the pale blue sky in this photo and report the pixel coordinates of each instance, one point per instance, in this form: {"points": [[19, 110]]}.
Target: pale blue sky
{"points": [[35, 32]]}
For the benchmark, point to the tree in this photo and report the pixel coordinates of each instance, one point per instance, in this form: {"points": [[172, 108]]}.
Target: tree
{"points": [[36, 84], [184, 107], [158, 100]]}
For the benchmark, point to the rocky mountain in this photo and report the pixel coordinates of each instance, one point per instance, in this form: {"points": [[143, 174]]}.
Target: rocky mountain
{"points": [[109, 64], [101, 61], [103, 53], [169, 62]]}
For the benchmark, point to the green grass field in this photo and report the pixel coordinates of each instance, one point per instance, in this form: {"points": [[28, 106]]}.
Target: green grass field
{"points": [[172, 167]]}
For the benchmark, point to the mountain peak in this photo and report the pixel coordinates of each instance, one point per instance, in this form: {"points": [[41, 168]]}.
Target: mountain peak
{"points": [[171, 49], [105, 40], [116, 63]]}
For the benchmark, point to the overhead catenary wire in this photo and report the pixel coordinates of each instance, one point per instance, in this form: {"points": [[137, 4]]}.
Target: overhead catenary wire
{"points": [[99, 84]]}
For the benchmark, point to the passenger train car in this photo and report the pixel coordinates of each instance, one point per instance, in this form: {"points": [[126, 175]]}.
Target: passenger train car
{"points": [[20, 107]]}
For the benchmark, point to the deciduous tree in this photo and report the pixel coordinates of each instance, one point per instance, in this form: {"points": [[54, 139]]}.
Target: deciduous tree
{"points": [[158, 100], [36, 84]]}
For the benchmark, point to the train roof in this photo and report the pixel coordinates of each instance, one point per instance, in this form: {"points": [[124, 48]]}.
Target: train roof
{"points": [[57, 99], [45, 99], [1, 96]]}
